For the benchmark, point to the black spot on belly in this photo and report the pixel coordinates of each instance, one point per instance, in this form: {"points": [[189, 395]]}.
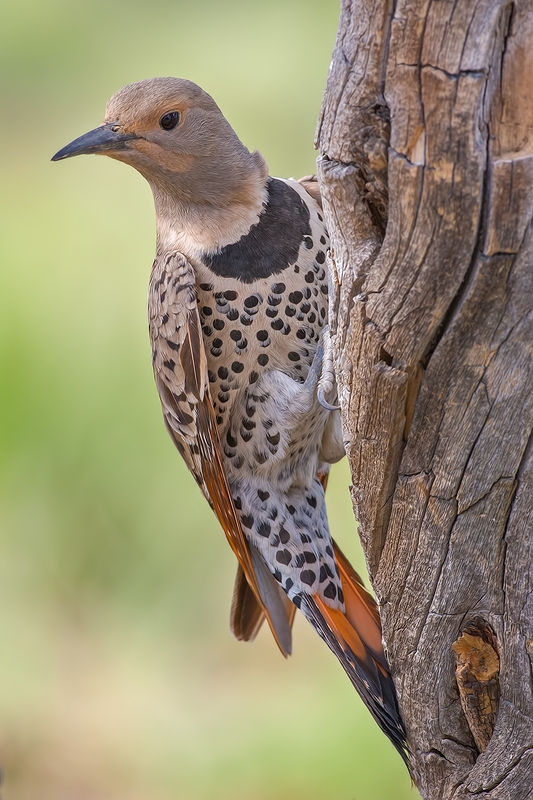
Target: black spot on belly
{"points": [[263, 529], [284, 557], [308, 577], [272, 244], [273, 439], [284, 535], [330, 591]]}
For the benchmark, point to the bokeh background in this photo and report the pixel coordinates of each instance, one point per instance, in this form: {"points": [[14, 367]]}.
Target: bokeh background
{"points": [[118, 676]]}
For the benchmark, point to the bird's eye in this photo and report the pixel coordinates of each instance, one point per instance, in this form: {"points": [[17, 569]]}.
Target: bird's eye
{"points": [[169, 120]]}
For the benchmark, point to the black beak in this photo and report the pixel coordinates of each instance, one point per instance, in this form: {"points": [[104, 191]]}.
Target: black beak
{"points": [[99, 140]]}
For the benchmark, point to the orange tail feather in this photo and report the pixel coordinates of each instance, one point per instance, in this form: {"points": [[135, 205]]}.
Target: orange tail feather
{"points": [[355, 638]]}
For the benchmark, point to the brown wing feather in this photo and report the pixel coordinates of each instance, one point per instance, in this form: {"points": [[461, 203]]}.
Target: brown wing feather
{"points": [[246, 613], [180, 369]]}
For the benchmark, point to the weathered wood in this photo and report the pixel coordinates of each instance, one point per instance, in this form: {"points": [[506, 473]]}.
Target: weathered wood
{"points": [[426, 167]]}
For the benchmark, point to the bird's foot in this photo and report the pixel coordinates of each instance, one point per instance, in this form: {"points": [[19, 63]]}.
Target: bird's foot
{"points": [[326, 381]]}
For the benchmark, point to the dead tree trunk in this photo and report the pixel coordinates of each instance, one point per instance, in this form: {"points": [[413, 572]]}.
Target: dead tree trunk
{"points": [[426, 142]]}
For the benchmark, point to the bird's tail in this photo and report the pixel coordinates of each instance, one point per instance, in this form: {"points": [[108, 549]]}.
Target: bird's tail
{"points": [[355, 638]]}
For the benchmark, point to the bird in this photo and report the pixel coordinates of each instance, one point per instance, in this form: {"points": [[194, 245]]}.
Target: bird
{"points": [[238, 323]]}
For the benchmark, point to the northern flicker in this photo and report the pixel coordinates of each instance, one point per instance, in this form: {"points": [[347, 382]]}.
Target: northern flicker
{"points": [[238, 325]]}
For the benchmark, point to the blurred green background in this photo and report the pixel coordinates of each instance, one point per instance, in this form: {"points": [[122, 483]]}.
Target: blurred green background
{"points": [[118, 678]]}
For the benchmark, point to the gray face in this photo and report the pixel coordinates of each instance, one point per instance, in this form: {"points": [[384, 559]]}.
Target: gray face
{"points": [[175, 135], [169, 121]]}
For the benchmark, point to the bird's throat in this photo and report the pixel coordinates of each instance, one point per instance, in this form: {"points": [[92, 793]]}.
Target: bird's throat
{"points": [[197, 228]]}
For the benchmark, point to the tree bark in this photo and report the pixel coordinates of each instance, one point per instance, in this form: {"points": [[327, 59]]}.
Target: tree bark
{"points": [[426, 168]]}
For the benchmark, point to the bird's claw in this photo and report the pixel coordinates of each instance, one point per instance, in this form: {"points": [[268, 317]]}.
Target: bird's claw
{"points": [[323, 402]]}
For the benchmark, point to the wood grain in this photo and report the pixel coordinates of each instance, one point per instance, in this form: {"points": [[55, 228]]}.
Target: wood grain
{"points": [[426, 168]]}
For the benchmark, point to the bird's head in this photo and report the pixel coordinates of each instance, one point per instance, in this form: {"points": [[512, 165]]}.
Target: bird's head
{"points": [[175, 135]]}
